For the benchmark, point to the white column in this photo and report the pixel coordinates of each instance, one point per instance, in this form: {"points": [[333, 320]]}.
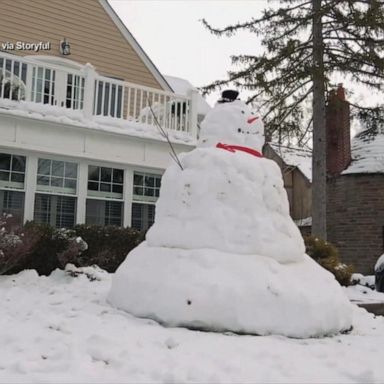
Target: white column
{"points": [[28, 85], [193, 113], [30, 187], [89, 90], [82, 187], [128, 194]]}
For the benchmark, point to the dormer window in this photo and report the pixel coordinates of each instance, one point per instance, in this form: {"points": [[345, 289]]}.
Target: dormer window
{"points": [[62, 88]]}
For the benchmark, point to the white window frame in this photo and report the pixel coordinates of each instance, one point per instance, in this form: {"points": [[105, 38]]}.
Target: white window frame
{"points": [[55, 190], [102, 195], [12, 185], [143, 197]]}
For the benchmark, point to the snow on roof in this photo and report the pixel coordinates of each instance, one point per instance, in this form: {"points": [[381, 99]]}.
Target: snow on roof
{"points": [[295, 156], [182, 87], [307, 221], [367, 153]]}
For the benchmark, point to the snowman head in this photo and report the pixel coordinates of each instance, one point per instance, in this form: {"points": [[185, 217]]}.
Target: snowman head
{"points": [[232, 123]]}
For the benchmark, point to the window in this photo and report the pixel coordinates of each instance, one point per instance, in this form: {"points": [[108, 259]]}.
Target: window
{"points": [[13, 76], [105, 182], [146, 186], [12, 202], [143, 216], [58, 211], [56, 176], [43, 85], [12, 171], [146, 190], [75, 92], [104, 212]]}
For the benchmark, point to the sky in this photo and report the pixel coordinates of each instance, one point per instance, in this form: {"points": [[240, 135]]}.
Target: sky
{"points": [[172, 35]]}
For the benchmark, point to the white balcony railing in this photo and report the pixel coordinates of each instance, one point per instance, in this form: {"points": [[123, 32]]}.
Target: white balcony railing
{"points": [[81, 89]]}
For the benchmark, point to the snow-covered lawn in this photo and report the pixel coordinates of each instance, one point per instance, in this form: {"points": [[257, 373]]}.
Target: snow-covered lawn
{"points": [[60, 329]]}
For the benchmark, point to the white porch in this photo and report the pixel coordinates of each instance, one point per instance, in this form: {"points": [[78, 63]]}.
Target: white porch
{"points": [[53, 86]]}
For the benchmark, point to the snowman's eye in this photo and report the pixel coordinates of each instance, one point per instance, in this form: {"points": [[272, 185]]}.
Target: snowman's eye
{"points": [[252, 113], [243, 112], [239, 130]]}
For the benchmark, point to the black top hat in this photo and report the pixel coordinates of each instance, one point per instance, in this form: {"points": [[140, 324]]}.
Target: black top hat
{"points": [[228, 96]]}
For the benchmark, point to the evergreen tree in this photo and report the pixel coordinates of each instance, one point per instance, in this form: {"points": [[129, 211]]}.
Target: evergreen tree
{"points": [[306, 42]]}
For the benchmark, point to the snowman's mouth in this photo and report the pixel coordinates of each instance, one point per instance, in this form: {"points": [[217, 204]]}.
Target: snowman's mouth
{"points": [[246, 132]]}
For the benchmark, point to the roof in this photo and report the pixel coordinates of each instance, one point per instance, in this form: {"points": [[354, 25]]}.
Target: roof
{"points": [[135, 45], [295, 156], [367, 152], [182, 87]]}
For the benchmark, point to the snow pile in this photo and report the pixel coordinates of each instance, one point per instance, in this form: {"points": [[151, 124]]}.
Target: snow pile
{"points": [[367, 153], [379, 266], [184, 87], [224, 254], [364, 294], [60, 329]]}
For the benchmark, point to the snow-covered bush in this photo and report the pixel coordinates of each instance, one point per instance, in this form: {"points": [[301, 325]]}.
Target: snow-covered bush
{"points": [[107, 246], [16, 245], [36, 246], [327, 255]]}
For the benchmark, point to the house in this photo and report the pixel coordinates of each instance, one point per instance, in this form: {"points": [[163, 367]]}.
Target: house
{"points": [[296, 167], [75, 143], [355, 187]]}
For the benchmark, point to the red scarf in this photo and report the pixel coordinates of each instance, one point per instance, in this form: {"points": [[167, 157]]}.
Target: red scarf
{"points": [[234, 148]]}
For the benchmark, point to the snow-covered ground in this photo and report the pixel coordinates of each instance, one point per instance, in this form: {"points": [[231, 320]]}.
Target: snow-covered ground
{"points": [[60, 329]]}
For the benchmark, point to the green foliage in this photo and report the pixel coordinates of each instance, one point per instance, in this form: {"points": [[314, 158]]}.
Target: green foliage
{"points": [[107, 246], [327, 255], [303, 40]]}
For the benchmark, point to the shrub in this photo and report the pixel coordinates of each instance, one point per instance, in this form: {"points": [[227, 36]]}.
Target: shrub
{"points": [[15, 245], [107, 246], [37, 246], [327, 255]]}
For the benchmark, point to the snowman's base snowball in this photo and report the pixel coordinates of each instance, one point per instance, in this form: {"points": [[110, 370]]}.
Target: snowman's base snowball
{"points": [[216, 291]]}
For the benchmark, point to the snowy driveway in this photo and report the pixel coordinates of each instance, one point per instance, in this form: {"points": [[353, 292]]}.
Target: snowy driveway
{"points": [[60, 329]]}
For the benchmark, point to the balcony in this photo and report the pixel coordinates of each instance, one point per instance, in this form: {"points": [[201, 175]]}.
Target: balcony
{"points": [[48, 86]]}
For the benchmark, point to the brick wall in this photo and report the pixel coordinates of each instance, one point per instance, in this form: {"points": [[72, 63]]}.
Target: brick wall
{"points": [[338, 132], [355, 218]]}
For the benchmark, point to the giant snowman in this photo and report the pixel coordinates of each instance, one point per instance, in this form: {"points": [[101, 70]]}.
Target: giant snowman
{"points": [[224, 253]]}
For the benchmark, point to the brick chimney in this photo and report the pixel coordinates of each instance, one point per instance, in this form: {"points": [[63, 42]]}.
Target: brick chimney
{"points": [[338, 132]]}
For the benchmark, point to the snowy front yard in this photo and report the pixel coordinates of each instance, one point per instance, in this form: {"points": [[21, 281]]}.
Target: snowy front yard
{"points": [[60, 329]]}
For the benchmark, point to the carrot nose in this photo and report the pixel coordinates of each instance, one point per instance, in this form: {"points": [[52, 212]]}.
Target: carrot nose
{"points": [[252, 119]]}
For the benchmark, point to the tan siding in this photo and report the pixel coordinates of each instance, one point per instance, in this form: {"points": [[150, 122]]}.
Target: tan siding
{"points": [[93, 36]]}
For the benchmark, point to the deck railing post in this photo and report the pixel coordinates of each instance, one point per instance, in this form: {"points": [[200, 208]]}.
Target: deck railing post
{"points": [[89, 90], [193, 113]]}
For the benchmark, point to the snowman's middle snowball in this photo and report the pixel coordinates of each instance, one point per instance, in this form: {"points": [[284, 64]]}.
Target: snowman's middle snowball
{"points": [[237, 204]]}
